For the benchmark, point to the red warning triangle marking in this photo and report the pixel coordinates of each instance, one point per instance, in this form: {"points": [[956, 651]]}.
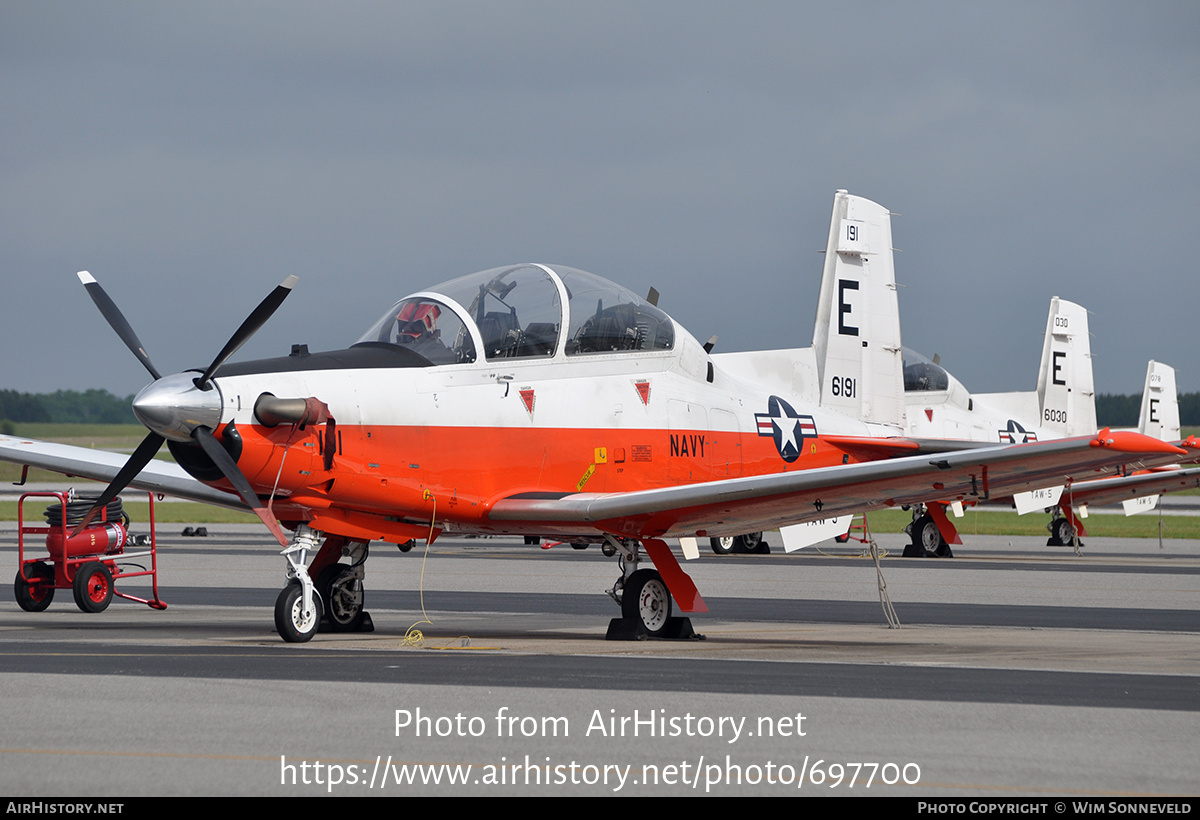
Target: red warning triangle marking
{"points": [[643, 388], [929, 413], [527, 397]]}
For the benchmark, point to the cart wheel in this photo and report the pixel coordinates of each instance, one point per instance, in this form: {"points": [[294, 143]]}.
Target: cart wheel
{"points": [[35, 594], [93, 587], [293, 623]]}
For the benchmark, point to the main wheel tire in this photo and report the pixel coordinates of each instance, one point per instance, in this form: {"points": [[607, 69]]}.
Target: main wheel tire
{"points": [[93, 587], [647, 600], [751, 543], [722, 546], [927, 539], [36, 593], [1064, 531], [747, 544], [344, 597], [291, 621]]}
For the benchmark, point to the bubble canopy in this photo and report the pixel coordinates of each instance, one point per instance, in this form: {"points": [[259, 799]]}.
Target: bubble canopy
{"points": [[921, 375], [517, 312]]}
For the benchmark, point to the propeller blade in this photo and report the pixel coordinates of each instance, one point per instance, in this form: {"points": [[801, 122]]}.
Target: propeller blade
{"points": [[253, 322], [116, 320], [140, 458], [237, 478]]}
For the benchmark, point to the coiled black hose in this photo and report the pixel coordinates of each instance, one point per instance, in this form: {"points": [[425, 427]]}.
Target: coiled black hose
{"points": [[77, 509]]}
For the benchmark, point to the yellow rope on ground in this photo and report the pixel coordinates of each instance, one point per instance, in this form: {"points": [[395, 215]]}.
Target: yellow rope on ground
{"points": [[414, 636]]}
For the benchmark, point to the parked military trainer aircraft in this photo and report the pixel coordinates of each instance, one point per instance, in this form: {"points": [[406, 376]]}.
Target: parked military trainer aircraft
{"points": [[1138, 492], [939, 406], [542, 400], [1062, 405]]}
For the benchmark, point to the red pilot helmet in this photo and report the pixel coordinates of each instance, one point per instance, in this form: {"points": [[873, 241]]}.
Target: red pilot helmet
{"points": [[417, 319]]}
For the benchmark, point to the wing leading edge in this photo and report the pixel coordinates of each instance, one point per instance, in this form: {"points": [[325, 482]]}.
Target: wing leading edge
{"points": [[100, 465]]}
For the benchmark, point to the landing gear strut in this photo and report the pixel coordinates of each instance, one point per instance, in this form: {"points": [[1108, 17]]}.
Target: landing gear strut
{"points": [[335, 599], [298, 608], [645, 600]]}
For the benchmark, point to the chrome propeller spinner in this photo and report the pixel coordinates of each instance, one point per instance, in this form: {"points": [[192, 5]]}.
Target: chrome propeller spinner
{"points": [[183, 407]]}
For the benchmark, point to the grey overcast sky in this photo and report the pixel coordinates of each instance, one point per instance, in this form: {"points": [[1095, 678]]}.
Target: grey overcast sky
{"points": [[191, 155]]}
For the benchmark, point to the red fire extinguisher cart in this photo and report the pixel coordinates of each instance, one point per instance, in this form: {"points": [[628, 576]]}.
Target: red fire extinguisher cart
{"points": [[89, 563]]}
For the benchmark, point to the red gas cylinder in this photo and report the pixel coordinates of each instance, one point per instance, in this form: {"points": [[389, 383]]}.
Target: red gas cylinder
{"points": [[96, 539]]}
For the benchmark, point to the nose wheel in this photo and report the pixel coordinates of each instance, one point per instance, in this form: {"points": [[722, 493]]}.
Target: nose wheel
{"points": [[298, 607], [295, 622]]}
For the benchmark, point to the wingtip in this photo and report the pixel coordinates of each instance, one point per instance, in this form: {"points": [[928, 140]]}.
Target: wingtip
{"points": [[289, 282], [1130, 442], [86, 278]]}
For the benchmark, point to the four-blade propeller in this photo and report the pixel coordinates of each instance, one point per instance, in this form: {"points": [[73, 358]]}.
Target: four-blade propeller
{"points": [[158, 405]]}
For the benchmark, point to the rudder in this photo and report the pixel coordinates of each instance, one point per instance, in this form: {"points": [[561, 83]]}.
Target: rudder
{"points": [[857, 331], [1066, 390]]}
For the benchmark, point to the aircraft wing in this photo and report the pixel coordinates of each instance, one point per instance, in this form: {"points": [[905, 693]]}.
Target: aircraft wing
{"points": [[1192, 445], [159, 476], [1121, 488], [763, 502]]}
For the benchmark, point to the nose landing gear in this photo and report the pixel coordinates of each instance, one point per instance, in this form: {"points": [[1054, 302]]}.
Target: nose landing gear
{"points": [[335, 599]]}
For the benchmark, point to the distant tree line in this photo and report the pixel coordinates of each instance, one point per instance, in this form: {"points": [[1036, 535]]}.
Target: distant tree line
{"points": [[70, 406], [1113, 410]]}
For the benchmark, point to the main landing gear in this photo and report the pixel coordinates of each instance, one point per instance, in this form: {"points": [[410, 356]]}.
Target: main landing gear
{"points": [[1062, 533], [927, 541], [644, 599], [336, 599], [751, 543]]}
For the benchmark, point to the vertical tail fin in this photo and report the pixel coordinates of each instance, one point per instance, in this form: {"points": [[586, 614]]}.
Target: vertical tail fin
{"points": [[857, 332], [1066, 390], [1160, 404]]}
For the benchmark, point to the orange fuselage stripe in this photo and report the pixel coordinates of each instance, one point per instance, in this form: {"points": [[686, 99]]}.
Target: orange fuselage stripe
{"points": [[387, 470]]}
